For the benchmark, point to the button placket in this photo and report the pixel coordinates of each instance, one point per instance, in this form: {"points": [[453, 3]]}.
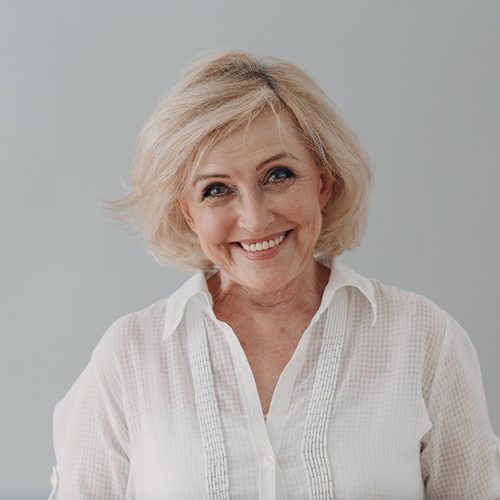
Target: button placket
{"points": [[257, 424]]}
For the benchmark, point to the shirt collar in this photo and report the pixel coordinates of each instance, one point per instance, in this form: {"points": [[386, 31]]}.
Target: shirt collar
{"points": [[341, 275]]}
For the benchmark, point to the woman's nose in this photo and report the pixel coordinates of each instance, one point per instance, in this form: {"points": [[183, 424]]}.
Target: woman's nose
{"points": [[256, 215]]}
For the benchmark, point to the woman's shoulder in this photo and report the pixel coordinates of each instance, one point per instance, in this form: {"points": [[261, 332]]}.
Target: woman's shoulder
{"points": [[421, 321], [141, 334], [132, 332], [416, 321], [429, 332], [418, 309], [393, 305]]}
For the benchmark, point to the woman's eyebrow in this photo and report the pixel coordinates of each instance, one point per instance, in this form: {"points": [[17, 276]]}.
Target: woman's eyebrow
{"points": [[210, 176], [277, 156]]}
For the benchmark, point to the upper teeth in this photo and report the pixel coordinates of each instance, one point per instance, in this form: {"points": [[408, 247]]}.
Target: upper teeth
{"points": [[263, 245]]}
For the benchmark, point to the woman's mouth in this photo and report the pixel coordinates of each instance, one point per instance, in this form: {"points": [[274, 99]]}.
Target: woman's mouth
{"points": [[263, 245]]}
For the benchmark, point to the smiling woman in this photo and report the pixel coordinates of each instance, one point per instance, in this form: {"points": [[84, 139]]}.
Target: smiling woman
{"points": [[216, 97], [275, 371]]}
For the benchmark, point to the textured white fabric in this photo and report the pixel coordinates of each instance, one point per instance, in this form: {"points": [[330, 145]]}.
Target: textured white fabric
{"points": [[382, 399]]}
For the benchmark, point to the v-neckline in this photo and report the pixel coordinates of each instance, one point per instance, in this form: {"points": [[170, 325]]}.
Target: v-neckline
{"points": [[267, 432], [268, 429]]}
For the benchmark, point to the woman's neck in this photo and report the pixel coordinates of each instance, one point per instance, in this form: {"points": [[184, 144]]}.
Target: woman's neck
{"points": [[301, 295]]}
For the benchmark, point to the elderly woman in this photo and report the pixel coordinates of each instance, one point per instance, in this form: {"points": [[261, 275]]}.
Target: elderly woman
{"points": [[275, 371]]}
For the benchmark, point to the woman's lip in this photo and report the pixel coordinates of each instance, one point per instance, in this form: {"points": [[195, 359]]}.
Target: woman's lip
{"points": [[260, 240], [263, 254]]}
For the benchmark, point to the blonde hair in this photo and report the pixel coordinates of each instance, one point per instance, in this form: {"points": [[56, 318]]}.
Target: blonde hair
{"points": [[214, 97]]}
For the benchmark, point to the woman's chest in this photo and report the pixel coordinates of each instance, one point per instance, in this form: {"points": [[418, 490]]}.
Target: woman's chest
{"points": [[267, 367], [267, 349], [372, 440], [173, 459], [369, 435], [367, 458]]}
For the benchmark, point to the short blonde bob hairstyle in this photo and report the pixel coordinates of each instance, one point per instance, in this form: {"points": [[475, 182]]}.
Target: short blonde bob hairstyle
{"points": [[215, 96]]}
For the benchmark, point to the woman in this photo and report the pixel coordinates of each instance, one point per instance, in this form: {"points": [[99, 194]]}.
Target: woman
{"points": [[275, 371]]}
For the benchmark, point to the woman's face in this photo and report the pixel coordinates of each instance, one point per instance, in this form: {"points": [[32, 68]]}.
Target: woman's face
{"points": [[256, 203]]}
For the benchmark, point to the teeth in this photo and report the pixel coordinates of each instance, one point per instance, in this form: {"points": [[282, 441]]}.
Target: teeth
{"points": [[263, 245]]}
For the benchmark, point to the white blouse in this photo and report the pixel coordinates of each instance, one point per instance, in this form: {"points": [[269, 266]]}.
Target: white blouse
{"points": [[382, 399]]}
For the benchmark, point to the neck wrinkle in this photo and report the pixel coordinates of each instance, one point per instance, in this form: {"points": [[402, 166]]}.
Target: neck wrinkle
{"points": [[295, 295]]}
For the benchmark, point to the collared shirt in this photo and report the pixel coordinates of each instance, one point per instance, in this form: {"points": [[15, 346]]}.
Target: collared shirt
{"points": [[382, 399]]}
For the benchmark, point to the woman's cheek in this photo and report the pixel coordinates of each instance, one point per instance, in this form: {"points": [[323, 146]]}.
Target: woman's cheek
{"points": [[215, 226]]}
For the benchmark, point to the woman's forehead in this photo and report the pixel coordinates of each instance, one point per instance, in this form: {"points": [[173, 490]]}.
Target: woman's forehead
{"points": [[265, 136]]}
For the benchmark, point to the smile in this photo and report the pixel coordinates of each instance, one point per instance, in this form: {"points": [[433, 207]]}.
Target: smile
{"points": [[264, 245]]}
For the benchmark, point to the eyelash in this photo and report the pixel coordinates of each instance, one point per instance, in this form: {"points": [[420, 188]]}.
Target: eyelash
{"points": [[288, 175]]}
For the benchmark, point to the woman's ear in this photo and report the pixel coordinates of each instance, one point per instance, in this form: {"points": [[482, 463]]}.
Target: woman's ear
{"points": [[327, 180], [184, 208]]}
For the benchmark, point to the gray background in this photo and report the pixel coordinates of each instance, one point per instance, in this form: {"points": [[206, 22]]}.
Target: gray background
{"points": [[418, 81]]}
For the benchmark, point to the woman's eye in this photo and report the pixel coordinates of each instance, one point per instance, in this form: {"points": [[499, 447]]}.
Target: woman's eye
{"points": [[215, 191], [280, 174]]}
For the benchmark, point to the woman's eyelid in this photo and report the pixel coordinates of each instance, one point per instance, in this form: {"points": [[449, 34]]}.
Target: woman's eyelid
{"points": [[288, 170], [205, 191]]}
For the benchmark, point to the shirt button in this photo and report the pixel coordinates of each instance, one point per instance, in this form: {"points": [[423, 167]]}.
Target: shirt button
{"points": [[268, 461]]}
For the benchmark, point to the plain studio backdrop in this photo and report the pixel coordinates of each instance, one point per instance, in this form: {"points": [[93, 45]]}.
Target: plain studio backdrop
{"points": [[418, 81]]}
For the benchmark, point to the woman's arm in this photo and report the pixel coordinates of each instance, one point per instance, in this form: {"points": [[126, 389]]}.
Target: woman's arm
{"points": [[91, 438], [461, 454]]}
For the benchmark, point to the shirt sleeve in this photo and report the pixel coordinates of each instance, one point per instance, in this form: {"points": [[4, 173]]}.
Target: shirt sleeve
{"points": [[460, 455], [90, 438]]}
